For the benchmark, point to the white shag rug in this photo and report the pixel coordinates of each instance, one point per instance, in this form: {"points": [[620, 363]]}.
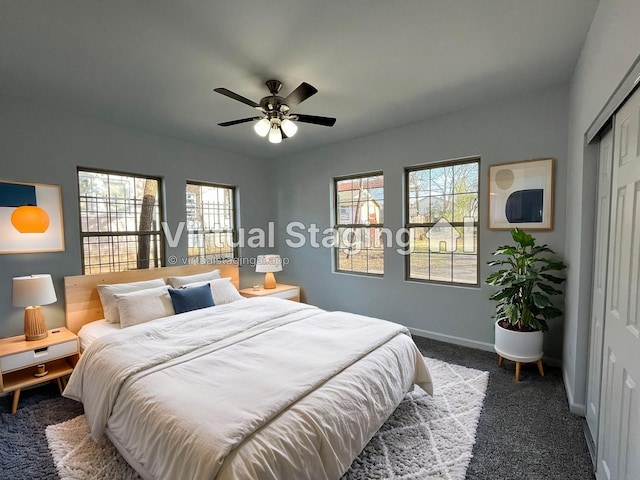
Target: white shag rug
{"points": [[425, 438]]}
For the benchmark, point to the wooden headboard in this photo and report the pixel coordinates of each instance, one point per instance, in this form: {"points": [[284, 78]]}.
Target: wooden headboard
{"points": [[82, 303]]}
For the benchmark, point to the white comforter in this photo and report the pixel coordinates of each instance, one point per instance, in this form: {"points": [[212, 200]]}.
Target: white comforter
{"points": [[260, 388]]}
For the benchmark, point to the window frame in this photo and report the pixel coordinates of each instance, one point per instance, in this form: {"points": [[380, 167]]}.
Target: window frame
{"points": [[234, 216], [409, 225], [338, 226], [160, 260]]}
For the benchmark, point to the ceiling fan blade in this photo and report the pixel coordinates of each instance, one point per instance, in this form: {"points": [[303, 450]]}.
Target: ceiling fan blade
{"points": [[326, 121], [300, 94], [242, 120], [235, 96]]}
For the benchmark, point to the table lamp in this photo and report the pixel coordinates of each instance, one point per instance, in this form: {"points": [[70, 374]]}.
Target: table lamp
{"points": [[31, 292], [268, 264]]}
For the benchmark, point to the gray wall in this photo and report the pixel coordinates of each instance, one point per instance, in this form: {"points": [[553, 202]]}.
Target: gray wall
{"points": [[45, 145], [609, 51], [533, 126]]}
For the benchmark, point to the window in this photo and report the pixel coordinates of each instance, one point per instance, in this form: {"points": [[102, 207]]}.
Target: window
{"points": [[211, 221], [119, 221], [442, 219], [359, 213]]}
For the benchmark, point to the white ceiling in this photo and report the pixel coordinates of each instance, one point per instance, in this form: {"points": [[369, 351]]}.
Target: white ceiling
{"points": [[153, 65]]}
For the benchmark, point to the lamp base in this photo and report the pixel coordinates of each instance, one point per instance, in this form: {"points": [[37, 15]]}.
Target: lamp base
{"points": [[34, 326], [269, 280]]}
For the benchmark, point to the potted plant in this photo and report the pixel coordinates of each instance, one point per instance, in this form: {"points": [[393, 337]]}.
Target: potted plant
{"points": [[527, 280]]}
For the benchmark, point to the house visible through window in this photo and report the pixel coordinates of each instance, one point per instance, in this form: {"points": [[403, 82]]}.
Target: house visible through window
{"points": [[442, 218], [119, 221], [359, 212], [211, 221]]}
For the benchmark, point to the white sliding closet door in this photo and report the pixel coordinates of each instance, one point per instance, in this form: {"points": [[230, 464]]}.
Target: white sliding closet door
{"points": [[599, 288], [619, 424]]}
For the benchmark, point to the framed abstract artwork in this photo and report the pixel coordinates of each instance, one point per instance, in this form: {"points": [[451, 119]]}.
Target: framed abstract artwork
{"points": [[521, 195], [30, 218]]}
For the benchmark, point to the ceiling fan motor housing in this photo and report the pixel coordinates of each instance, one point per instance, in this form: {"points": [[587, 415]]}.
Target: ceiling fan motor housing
{"points": [[273, 103]]}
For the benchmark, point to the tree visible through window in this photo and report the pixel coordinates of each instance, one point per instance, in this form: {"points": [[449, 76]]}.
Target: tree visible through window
{"points": [[211, 221], [442, 218], [359, 212], [119, 221]]}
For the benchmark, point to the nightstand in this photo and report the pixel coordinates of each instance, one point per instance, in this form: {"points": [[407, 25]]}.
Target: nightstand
{"points": [[59, 352], [290, 292]]}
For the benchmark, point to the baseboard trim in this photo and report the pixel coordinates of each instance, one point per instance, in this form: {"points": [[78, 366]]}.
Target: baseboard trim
{"points": [[575, 408], [466, 342], [553, 362], [591, 446]]}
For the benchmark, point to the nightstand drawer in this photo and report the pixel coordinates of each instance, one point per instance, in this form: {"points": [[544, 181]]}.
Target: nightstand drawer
{"points": [[38, 355], [292, 293]]}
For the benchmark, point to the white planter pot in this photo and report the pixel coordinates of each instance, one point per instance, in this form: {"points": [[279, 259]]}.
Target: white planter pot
{"points": [[522, 347]]}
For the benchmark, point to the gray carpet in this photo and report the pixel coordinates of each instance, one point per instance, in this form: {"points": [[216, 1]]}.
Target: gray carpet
{"points": [[525, 431]]}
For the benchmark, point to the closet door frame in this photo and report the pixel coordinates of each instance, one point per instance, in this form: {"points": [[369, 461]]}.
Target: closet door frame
{"points": [[596, 334]]}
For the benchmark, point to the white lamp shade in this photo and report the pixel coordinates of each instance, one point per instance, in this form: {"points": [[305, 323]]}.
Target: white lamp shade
{"points": [[275, 135], [268, 263], [33, 290], [262, 127], [288, 127]]}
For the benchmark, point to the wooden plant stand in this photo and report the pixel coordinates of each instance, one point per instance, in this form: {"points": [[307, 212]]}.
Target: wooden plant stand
{"points": [[519, 364]]}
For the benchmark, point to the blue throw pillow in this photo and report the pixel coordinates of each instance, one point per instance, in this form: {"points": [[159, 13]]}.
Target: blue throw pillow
{"points": [[192, 298]]}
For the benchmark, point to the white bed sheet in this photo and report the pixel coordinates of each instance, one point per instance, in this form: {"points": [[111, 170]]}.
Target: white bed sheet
{"points": [[94, 330], [250, 402]]}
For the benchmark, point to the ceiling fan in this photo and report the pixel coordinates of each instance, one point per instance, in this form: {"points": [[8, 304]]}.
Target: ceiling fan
{"points": [[276, 119]]}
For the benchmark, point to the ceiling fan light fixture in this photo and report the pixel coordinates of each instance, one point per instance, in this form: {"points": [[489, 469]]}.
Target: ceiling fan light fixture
{"points": [[275, 135], [262, 127], [276, 121], [288, 127]]}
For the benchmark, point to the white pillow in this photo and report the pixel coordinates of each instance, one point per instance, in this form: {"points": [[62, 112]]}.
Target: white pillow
{"points": [[144, 305], [108, 300], [177, 282], [222, 289]]}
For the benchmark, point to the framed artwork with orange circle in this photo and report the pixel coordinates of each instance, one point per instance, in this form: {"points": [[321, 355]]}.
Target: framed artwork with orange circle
{"points": [[521, 195], [30, 218]]}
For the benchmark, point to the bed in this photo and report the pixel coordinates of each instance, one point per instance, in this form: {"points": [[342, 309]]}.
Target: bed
{"points": [[259, 388]]}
